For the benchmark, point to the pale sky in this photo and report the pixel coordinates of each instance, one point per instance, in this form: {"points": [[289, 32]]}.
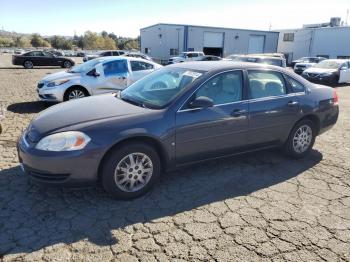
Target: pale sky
{"points": [[125, 18]]}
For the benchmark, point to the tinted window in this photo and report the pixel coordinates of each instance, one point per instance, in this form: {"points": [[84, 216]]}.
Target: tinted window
{"points": [[265, 83], [296, 86], [48, 54], [106, 54], [192, 55], [138, 66], [35, 53], [115, 53], [224, 88], [115, 67]]}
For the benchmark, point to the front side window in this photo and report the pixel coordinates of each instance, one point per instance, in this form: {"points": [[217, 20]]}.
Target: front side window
{"points": [[158, 89], [115, 53], [139, 66], [296, 85], [46, 54], [265, 84], [115, 67], [224, 88]]}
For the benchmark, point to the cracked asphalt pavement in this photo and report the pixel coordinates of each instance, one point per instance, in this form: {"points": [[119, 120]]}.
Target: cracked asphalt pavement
{"points": [[256, 207]]}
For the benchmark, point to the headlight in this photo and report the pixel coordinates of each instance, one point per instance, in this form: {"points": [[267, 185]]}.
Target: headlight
{"points": [[65, 141], [57, 82]]}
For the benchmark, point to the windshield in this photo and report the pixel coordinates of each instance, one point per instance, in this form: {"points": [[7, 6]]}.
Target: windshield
{"points": [[158, 89], [275, 62], [85, 67], [328, 64]]}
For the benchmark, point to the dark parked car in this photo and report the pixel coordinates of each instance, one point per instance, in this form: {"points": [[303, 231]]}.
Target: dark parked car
{"points": [[330, 71], [104, 53], [179, 114], [41, 58], [209, 58]]}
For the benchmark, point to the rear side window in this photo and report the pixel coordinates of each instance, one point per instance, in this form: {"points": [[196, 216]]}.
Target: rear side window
{"points": [[139, 66], [296, 86], [266, 84], [115, 68], [115, 53]]}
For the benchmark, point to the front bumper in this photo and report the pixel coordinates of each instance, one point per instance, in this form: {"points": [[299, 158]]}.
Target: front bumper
{"points": [[70, 168], [54, 94]]}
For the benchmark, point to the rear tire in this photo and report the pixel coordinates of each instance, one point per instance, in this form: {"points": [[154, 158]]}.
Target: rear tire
{"points": [[28, 64], [124, 178], [67, 64], [301, 139]]}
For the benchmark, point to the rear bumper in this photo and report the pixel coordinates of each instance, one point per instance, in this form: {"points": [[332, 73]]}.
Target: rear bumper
{"points": [[330, 118]]}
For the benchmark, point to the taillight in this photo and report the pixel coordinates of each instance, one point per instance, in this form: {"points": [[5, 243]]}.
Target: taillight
{"points": [[335, 98]]}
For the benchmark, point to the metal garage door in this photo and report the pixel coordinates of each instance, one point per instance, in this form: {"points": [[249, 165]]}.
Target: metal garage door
{"points": [[213, 39], [256, 44]]}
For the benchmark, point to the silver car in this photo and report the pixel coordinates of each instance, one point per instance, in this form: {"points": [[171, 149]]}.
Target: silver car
{"points": [[97, 76]]}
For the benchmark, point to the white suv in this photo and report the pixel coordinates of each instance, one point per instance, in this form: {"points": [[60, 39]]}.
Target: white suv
{"points": [[186, 56]]}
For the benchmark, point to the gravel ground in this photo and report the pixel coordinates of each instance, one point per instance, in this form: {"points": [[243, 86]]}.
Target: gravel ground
{"points": [[260, 206]]}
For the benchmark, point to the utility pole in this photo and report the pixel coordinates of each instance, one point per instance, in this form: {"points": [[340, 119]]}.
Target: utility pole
{"points": [[347, 16], [178, 40]]}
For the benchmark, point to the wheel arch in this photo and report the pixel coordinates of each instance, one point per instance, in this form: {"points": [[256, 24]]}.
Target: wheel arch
{"points": [[314, 118], [145, 139]]}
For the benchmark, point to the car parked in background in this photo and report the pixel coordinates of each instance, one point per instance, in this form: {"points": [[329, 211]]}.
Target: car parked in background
{"points": [[97, 76], [276, 61], [330, 71], [309, 62], [209, 58], [178, 115], [104, 53], [41, 58], [185, 57], [302, 60], [138, 55]]}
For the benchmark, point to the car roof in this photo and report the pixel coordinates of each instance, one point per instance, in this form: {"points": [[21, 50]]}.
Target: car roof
{"points": [[261, 57], [114, 58], [224, 65]]}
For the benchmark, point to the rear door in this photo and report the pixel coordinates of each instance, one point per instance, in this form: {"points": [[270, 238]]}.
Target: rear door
{"points": [[50, 60], [139, 69], [273, 108], [210, 132], [37, 58]]}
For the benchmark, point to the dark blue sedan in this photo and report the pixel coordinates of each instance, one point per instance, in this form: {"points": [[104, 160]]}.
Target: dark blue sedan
{"points": [[179, 114]]}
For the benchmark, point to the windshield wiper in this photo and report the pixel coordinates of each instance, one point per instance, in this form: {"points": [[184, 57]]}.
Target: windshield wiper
{"points": [[131, 101]]}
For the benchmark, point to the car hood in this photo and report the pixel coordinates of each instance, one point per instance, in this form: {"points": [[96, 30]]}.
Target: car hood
{"points": [[316, 70], [60, 75], [81, 111]]}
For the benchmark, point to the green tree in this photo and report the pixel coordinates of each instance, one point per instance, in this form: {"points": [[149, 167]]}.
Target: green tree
{"points": [[6, 42], [38, 41]]}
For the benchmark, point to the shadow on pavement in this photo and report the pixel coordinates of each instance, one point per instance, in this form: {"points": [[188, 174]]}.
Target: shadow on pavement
{"points": [[34, 217], [28, 107]]}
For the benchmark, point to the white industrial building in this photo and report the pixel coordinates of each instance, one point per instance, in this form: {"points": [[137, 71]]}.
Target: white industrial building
{"points": [[162, 41], [330, 40]]}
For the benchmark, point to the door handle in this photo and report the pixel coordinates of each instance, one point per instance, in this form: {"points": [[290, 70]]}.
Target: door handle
{"points": [[238, 112], [293, 103]]}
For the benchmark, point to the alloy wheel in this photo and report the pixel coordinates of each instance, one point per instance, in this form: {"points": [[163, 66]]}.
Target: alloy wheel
{"points": [[302, 139], [75, 94], [133, 172]]}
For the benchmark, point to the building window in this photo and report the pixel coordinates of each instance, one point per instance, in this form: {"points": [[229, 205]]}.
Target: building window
{"points": [[343, 57], [174, 51], [324, 56], [288, 37], [147, 50]]}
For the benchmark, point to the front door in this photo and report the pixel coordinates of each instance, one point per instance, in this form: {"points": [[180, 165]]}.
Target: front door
{"points": [[344, 73], [210, 132], [114, 76], [272, 109]]}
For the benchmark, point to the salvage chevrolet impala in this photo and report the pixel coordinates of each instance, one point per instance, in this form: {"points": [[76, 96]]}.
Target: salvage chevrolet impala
{"points": [[177, 115]]}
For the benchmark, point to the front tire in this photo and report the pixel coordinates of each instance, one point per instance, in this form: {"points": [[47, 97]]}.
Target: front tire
{"points": [[75, 92], [301, 139], [130, 171], [28, 64]]}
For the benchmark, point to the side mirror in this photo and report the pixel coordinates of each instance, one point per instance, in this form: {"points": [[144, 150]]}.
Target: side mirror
{"points": [[93, 73], [202, 102]]}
